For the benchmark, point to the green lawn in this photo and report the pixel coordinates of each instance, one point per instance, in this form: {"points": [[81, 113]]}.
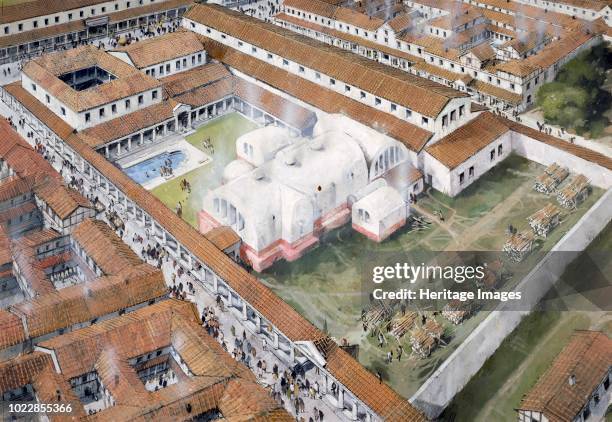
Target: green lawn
{"points": [[496, 390], [223, 133]]}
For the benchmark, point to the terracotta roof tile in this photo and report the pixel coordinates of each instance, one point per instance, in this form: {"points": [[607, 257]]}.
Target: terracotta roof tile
{"points": [[418, 94], [20, 371], [128, 124], [196, 77], [289, 112], [64, 201], [11, 332], [283, 17], [84, 302], [222, 237], [45, 70], [587, 358], [160, 49], [464, 142], [496, 92], [381, 398], [329, 101]]}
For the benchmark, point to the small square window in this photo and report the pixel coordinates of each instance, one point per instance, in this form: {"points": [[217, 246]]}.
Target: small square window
{"points": [[63, 111], [127, 104], [87, 117], [102, 112], [114, 108], [140, 99], [154, 95], [47, 98]]}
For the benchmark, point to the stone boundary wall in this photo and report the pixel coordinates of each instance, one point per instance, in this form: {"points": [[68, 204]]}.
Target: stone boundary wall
{"points": [[450, 378]]}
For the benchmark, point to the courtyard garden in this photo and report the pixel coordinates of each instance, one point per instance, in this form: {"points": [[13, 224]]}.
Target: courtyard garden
{"points": [[222, 133]]}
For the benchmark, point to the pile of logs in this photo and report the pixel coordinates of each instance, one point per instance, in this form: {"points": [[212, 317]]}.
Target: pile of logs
{"points": [[546, 219], [457, 311], [401, 325], [548, 181], [574, 193], [519, 245]]}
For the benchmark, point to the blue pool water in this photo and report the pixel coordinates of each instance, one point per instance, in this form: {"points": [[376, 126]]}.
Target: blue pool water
{"points": [[148, 170]]}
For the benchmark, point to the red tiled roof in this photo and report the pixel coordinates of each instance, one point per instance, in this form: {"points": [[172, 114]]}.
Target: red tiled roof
{"points": [[587, 358], [464, 142], [11, 331], [45, 70], [381, 398], [128, 124], [218, 382], [289, 112], [418, 94], [18, 372], [104, 247], [327, 100], [160, 49], [63, 200], [84, 302], [182, 82]]}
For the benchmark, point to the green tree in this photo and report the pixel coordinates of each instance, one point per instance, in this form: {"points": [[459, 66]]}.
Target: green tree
{"points": [[575, 99]]}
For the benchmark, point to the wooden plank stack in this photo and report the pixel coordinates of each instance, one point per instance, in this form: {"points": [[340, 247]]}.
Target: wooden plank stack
{"points": [[519, 245], [574, 193]]}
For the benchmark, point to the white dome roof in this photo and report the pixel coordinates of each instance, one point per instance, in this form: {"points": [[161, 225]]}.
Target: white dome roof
{"points": [[236, 169]]}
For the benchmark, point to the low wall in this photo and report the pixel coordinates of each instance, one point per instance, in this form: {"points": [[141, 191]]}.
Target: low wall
{"points": [[450, 378], [545, 154]]}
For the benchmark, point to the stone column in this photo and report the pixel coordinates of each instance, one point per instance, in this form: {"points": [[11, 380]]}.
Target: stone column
{"points": [[244, 311]]}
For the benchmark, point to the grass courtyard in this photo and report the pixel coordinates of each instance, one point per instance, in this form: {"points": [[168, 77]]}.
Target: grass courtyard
{"points": [[325, 285], [496, 390], [223, 132]]}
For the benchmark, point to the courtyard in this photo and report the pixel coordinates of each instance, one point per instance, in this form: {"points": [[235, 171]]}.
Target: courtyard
{"points": [[222, 133], [325, 285]]}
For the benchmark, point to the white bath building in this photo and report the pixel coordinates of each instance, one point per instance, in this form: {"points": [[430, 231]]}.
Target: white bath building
{"points": [[283, 191]]}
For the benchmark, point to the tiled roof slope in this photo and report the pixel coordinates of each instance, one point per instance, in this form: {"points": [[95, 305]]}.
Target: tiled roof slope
{"points": [[418, 94], [160, 49], [587, 358], [104, 247], [46, 69], [327, 100]]}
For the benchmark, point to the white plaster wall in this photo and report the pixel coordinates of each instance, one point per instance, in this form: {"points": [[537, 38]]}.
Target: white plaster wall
{"points": [[545, 154], [321, 79], [447, 181], [63, 17], [456, 371]]}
